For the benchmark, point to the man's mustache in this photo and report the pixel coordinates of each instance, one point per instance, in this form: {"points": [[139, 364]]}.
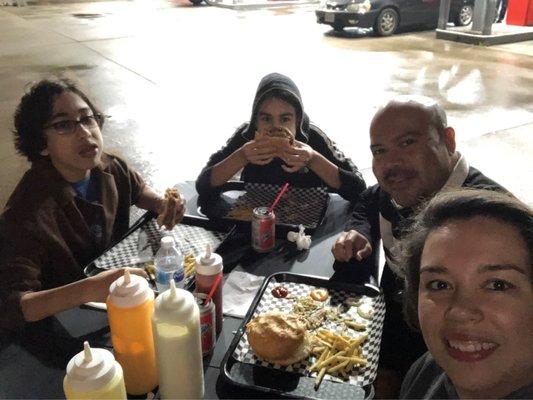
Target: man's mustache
{"points": [[395, 172]]}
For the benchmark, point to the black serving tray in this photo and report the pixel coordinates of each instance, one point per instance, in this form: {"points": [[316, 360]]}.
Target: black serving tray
{"points": [[223, 227], [231, 192], [278, 383]]}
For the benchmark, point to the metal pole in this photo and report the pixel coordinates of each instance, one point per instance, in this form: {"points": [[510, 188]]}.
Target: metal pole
{"points": [[444, 13], [484, 15], [490, 16]]}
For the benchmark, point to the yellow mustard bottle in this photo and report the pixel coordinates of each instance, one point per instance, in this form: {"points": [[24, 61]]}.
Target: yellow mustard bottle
{"points": [[130, 306], [94, 374]]}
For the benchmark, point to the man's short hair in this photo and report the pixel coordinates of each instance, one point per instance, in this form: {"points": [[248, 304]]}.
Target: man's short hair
{"points": [[436, 114], [462, 204], [35, 110]]}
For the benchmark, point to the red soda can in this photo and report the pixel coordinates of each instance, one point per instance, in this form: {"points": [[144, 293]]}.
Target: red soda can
{"points": [[263, 229], [207, 324]]}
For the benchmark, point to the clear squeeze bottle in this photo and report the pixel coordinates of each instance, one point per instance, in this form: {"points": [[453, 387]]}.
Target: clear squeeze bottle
{"points": [[169, 265], [94, 374], [176, 328], [130, 306], [208, 268]]}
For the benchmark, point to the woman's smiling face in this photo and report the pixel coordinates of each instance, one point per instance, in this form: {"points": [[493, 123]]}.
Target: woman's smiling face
{"points": [[475, 305]]}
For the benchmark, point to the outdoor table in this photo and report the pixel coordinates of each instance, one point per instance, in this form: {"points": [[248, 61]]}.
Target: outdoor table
{"points": [[33, 362]]}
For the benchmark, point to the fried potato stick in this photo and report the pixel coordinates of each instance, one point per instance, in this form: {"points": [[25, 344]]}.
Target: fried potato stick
{"points": [[319, 378]]}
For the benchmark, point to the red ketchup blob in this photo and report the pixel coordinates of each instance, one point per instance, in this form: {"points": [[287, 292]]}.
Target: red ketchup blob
{"points": [[280, 292]]}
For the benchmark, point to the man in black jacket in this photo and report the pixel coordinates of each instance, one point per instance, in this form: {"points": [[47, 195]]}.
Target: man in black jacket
{"points": [[414, 157]]}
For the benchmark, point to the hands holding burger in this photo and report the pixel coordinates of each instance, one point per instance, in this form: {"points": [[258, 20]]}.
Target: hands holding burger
{"points": [[278, 142], [259, 151], [171, 209], [297, 156]]}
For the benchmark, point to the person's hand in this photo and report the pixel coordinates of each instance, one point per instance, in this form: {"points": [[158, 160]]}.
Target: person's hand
{"points": [[259, 151], [297, 156], [171, 209], [99, 284], [351, 244]]}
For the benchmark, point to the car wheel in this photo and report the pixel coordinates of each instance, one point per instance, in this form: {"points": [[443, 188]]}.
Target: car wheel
{"points": [[387, 22], [196, 2], [338, 27], [464, 16]]}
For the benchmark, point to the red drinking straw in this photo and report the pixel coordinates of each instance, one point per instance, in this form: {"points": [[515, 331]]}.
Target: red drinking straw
{"points": [[213, 289], [281, 193]]}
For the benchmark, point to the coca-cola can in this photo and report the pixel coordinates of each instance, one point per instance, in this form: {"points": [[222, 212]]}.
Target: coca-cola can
{"points": [[207, 324], [263, 229]]}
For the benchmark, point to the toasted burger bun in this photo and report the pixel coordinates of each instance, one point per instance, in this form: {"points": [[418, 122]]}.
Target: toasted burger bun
{"points": [[276, 133], [279, 144], [278, 338], [280, 132], [259, 135], [279, 138], [301, 354]]}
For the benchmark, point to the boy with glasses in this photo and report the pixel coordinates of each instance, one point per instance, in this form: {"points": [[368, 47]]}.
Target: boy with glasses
{"points": [[69, 206]]}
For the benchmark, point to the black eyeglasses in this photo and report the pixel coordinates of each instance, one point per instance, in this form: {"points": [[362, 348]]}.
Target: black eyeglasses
{"points": [[68, 126]]}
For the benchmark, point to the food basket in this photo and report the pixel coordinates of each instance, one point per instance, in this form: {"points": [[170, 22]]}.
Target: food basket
{"points": [[305, 206], [140, 244], [243, 368]]}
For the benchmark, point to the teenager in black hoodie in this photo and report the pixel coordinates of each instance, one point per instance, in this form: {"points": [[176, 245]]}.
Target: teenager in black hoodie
{"points": [[312, 161]]}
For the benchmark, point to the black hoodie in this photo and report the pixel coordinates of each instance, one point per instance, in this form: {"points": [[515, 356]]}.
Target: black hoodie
{"points": [[352, 183]]}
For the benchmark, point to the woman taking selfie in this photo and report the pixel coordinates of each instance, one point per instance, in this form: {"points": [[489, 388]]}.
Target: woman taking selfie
{"points": [[469, 289]]}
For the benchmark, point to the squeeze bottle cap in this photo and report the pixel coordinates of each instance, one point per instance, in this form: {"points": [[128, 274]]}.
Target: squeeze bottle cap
{"points": [[207, 258], [174, 304], [90, 369], [129, 291], [208, 263], [167, 242]]}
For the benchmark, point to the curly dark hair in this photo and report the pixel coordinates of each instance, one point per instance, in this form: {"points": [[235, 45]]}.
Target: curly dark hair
{"points": [[35, 110], [460, 204]]}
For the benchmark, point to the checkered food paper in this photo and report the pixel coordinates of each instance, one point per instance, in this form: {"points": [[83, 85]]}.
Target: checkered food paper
{"points": [[360, 376], [131, 253], [303, 206]]}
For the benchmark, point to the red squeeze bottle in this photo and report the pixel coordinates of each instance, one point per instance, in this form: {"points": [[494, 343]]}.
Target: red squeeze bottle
{"points": [[208, 268]]}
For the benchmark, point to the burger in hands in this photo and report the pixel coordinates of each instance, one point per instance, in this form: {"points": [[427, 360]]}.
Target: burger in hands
{"points": [[173, 209], [279, 338], [279, 137]]}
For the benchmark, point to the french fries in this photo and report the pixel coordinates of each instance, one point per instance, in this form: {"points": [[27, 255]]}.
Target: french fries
{"points": [[337, 355], [319, 378], [354, 325], [189, 264]]}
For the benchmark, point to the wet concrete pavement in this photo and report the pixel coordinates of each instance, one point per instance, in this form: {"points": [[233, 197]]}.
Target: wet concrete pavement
{"points": [[178, 79]]}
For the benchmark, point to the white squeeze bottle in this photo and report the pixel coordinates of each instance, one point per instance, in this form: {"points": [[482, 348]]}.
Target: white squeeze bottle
{"points": [[168, 265], [176, 328], [94, 374]]}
